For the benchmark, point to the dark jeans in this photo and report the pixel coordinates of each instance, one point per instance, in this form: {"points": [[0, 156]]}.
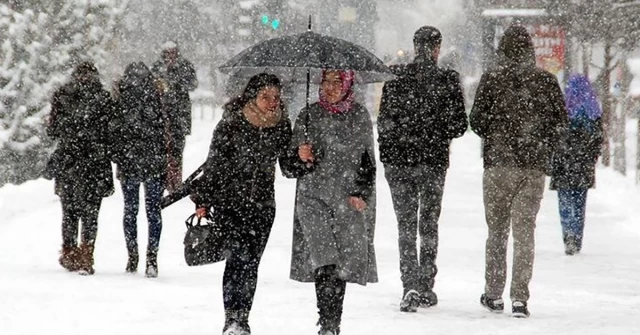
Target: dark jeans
{"points": [[248, 229], [572, 204], [417, 200], [153, 189], [74, 209], [330, 290]]}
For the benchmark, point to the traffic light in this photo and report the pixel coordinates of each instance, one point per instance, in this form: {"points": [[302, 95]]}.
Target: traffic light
{"points": [[270, 22]]}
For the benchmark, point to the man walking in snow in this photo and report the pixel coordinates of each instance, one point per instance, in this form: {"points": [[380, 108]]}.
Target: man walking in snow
{"points": [[176, 77], [519, 113], [420, 113]]}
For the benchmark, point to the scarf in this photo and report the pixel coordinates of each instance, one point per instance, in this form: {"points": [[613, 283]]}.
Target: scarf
{"points": [[259, 118], [348, 78]]}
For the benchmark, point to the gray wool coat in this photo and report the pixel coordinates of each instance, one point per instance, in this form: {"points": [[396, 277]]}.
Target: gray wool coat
{"points": [[326, 229]]}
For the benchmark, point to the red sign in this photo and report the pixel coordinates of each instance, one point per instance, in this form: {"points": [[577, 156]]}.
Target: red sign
{"points": [[549, 42]]}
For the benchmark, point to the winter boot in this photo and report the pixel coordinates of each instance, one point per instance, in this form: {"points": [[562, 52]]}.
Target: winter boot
{"points": [[152, 264], [519, 309], [132, 263], [327, 331], [236, 323], [86, 260], [571, 245], [428, 299], [69, 258], [410, 302], [493, 305]]}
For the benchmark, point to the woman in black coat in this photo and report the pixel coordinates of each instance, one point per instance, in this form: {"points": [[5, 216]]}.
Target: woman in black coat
{"points": [[141, 154], [238, 184], [574, 164], [80, 119]]}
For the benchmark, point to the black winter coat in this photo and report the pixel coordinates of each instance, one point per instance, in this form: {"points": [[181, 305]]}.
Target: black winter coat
{"points": [[420, 113], [141, 150], [519, 112], [574, 164], [81, 120], [241, 166], [180, 79]]}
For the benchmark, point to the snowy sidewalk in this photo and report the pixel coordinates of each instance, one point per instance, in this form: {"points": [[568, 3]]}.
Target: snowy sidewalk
{"points": [[596, 292]]}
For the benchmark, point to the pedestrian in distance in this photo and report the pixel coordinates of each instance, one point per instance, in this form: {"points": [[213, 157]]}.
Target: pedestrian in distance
{"points": [[574, 165], [176, 77], [81, 121], [140, 151]]}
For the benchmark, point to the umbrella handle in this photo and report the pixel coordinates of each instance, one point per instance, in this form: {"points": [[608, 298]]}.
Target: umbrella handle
{"points": [[306, 120]]}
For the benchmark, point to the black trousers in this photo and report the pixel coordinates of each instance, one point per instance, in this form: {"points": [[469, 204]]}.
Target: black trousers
{"points": [[417, 200], [177, 150], [76, 208], [249, 227], [330, 290]]}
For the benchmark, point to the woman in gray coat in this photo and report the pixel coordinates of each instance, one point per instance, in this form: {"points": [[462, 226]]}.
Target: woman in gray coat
{"points": [[334, 217]]}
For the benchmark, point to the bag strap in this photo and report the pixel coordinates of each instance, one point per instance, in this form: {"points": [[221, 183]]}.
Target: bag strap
{"points": [[189, 221]]}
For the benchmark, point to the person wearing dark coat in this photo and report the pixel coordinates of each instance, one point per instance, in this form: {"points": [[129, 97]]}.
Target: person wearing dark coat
{"points": [[574, 164], [334, 218], [142, 159], [81, 120], [176, 77], [238, 185], [421, 112], [519, 113]]}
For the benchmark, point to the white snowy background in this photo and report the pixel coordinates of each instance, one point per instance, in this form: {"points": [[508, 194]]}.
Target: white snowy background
{"points": [[596, 292]]}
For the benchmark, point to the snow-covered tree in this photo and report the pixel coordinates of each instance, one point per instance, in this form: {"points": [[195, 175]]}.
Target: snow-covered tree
{"points": [[39, 48]]}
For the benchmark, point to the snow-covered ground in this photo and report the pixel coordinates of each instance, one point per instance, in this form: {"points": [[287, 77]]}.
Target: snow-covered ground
{"points": [[596, 292]]}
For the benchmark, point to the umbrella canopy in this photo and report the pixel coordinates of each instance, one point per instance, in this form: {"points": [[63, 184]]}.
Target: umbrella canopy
{"points": [[290, 57]]}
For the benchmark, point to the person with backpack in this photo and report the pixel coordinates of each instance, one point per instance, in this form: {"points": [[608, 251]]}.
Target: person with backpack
{"points": [[81, 121], [421, 112], [575, 162], [519, 113], [237, 184], [142, 160]]}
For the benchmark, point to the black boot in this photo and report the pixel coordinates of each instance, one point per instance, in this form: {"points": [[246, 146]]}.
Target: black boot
{"points": [[152, 264], [330, 290], [132, 263], [236, 323]]}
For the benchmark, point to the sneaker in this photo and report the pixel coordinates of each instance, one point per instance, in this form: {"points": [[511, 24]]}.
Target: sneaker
{"points": [[410, 302], [428, 299], [493, 305], [519, 309]]}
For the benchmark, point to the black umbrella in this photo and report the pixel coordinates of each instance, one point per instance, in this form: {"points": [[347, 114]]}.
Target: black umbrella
{"points": [[302, 57], [291, 57]]}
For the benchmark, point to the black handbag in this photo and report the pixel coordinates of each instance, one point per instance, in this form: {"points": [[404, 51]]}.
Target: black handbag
{"points": [[204, 243]]}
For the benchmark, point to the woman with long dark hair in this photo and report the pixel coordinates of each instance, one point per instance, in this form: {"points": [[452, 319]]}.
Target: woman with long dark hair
{"points": [[142, 160], [238, 184], [80, 121]]}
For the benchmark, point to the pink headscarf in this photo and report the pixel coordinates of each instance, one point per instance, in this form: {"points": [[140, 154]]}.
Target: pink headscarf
{"points": [[348, 78]]}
